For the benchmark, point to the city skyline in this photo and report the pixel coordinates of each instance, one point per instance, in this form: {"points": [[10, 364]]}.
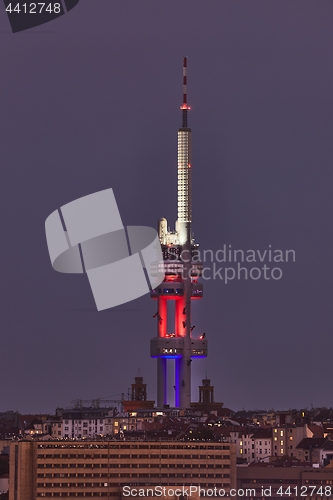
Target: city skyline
{"points": [[90, 102]]}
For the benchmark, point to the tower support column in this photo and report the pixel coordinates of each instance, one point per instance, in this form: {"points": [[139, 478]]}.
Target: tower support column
{"points": [[183, 365], [162, 319], [162, 328], [162, 396]]}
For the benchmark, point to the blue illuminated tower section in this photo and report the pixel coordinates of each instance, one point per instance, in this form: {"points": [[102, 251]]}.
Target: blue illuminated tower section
{"points": [[180, 286]]}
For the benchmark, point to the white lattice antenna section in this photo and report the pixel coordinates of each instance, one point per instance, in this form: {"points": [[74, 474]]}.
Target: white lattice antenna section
{"points": [[184, 176]]}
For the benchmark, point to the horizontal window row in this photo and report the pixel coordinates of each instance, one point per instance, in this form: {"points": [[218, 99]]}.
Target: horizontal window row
{"points": [[133, 446], [72, 466], [62, 475], [72, 485], [112, 485], [133, 466], [78, 455], [73, 494], [150, 456], [116, 493], [106, 485], [121, 474]]}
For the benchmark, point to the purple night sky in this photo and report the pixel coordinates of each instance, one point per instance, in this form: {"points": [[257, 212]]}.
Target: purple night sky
{"points": [[91, 101]]}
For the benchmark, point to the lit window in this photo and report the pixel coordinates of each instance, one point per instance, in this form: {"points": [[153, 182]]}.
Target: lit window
{"points": [[281, 451], [281, 442], [281, 433]]}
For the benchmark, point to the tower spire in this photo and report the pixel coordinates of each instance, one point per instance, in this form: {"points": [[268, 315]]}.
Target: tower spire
{"points": [[184, 167], [185, 107]]}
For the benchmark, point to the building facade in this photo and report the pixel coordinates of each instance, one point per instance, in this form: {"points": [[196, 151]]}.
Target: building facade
{"points": [[293, 482], [102, 468]]}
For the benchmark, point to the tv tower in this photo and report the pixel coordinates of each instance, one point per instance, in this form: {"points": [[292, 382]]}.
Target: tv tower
{"points": [[180, 286]]}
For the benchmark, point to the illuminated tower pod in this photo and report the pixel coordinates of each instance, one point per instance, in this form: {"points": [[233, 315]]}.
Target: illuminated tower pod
{"points": [[180, 285]]}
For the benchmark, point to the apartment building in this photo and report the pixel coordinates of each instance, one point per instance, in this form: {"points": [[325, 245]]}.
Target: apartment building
{"points": [[253, 444], [83, 423], [315, 450], [286, 438], [102, 468], [293, 482]]}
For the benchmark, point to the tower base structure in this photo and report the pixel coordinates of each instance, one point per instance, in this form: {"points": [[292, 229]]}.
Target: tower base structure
{"points": [[176, 341]]}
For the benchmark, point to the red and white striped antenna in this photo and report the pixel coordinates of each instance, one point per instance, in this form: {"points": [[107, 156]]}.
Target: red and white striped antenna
{"points": [[185, 107]]}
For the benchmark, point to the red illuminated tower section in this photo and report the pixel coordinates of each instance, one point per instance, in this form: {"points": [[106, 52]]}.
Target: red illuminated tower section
{"points": [[180, 285]]}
